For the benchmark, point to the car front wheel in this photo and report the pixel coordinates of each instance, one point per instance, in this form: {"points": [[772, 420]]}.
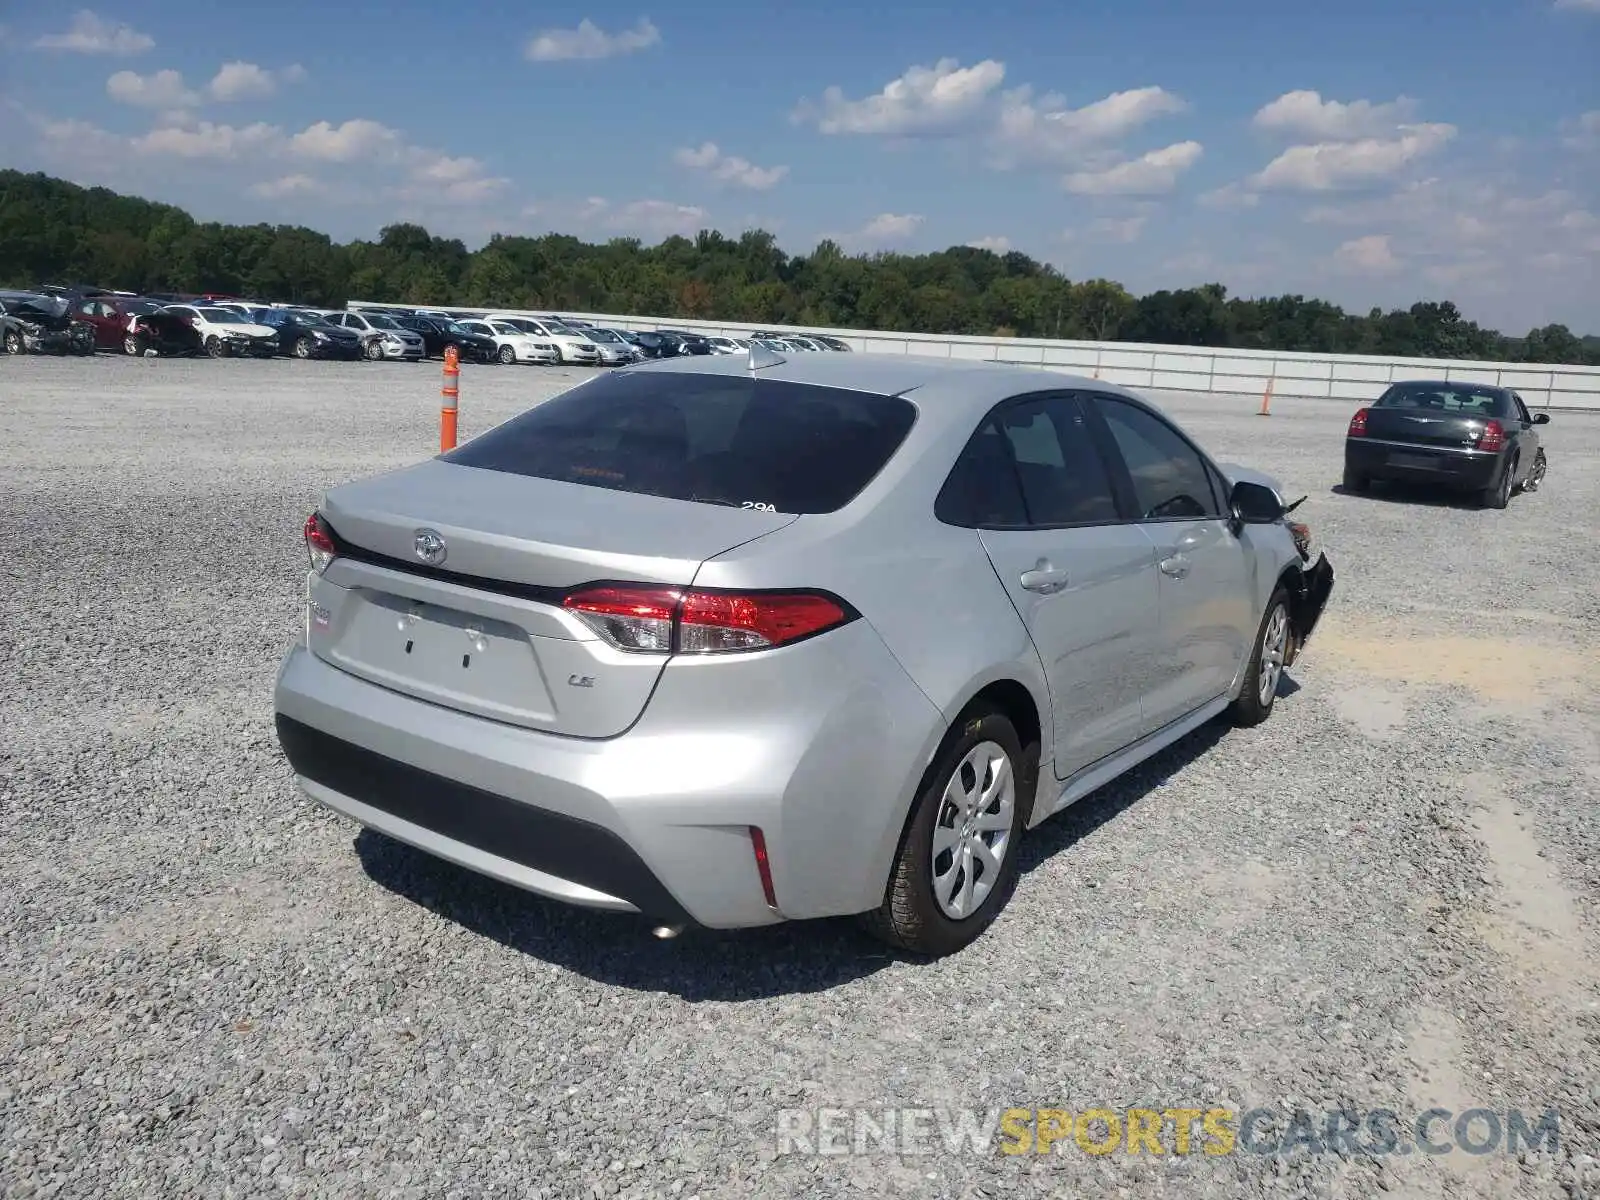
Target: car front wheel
{"points": [[508, 355], [1265, 668], [957, 862]]}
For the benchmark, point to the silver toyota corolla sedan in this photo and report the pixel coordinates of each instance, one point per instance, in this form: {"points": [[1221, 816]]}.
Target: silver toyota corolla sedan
{"points": [[731, 640]]}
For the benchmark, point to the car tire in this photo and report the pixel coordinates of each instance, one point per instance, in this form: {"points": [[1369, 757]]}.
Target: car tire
{"points": [[912, 917], [1355, 482], [1265, 668], [302, 348], [1499, 494], [130, 346], [1535, 476], [508, 355], [374, 351], [215, 348], [13, 342]]}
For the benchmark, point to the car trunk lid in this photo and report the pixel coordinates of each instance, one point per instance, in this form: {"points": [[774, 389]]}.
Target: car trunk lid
{"points": [[1422, 427], [481, 628]]}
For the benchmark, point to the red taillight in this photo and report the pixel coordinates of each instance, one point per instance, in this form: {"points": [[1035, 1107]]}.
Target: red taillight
{"points": [[319, 543], [670, 620], [1358, 425], [758, 843], [1494, 436], [629, 618]]}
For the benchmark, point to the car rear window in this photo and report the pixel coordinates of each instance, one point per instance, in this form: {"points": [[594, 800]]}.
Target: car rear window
{"points": [[1447, 398], [715, 439]]}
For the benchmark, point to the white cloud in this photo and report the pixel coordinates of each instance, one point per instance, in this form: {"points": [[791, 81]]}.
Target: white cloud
{"points": [[1370, 255], [1117, 229], [588, 42], [205, 140], [163, 89], [729, 168], [1307, 114], [287, 185], [1149, 174], [1229, 196], [247, 81], [651, 218], [925, 101], [1582, 132], [1326, 166], [355, 139], [881, 231], [994, 243], [91, 33], [1029, 131], [892, 225]]}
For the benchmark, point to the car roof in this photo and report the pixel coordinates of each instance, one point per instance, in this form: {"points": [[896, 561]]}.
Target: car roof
{"points": [[1446, 385], [957, 385]]}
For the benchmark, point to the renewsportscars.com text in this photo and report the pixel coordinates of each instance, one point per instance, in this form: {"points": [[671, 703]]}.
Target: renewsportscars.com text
{"points": [[1162, 1132]]}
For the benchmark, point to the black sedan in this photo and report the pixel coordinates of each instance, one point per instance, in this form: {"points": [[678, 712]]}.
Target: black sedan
{"points": [[305, 335], [1468, 437], [439, 333], [688, 343]]}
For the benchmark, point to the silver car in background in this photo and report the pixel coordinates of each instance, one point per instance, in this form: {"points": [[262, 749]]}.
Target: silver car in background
{"points": [[615, 350], [735, 640]]}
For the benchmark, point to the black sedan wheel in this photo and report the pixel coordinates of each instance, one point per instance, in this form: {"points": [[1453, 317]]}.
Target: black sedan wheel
{"points": [[13, 342], [302, 348], [1499, 495]]}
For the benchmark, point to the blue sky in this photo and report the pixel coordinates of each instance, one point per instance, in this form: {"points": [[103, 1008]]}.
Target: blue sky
{"points": [[1369, 153]]}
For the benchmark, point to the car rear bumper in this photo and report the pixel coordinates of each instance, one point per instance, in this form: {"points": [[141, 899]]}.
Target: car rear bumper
{"points": [[821, 747], [1455, 466]]}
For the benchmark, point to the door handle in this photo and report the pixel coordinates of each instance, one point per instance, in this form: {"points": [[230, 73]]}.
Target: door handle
{"points": [[1177, 566], [1044, 578]]}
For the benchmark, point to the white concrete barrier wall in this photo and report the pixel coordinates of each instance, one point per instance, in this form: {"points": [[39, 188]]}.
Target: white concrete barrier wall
{"points": [[1175, 368]]}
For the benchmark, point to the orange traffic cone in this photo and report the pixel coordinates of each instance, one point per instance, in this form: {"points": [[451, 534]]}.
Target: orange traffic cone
{"points": [[1266, 398]]}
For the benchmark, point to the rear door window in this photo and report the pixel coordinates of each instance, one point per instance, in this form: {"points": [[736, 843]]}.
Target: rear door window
{"points": [[1030, 465], [713, 439]]}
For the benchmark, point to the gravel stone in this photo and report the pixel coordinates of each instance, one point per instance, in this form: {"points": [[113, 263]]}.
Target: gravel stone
{"points": [[1383, 898]]}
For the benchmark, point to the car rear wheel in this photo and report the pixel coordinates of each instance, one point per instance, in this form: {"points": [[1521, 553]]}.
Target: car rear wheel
{"points": [[957, 861], [508, 355], [1499, 495], [1265, 668], [1355, 482], [1535, 476]]}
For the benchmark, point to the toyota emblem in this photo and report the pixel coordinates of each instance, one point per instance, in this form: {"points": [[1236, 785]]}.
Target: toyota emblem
{"points": [[429, 546]]}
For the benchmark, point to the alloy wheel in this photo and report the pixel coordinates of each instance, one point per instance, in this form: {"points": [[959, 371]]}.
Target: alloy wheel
{"points": [[972, 832], [1274, 647]]}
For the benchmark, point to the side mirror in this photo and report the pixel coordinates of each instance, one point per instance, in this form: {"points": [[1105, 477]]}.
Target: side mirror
{"points": [[1541, 418], [1255, 504]]}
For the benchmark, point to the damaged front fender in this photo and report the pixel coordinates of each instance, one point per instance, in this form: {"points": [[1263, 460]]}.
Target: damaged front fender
{"points": [[1309, 590]]}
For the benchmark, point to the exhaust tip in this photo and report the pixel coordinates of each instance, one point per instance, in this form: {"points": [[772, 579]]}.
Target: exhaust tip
{"points": [[666, 932]]}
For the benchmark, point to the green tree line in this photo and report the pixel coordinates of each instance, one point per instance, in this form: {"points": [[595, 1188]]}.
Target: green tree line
{"points": [[52, 231]]}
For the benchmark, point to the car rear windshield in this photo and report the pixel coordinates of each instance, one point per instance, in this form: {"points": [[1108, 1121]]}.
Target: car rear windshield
{"points": [[716, 439], [1447, 398]]}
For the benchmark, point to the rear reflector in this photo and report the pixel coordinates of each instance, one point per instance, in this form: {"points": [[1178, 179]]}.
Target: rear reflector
{"points": [[758, 843], [1494, 437], [670, 620], [1358, 425], [319, 543]]}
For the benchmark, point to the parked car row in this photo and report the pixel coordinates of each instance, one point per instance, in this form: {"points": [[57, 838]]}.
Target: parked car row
{"points": [[57, 318]]}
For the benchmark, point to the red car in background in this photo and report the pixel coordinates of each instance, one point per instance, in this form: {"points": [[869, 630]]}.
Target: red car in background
{"points": [[132, 324]]}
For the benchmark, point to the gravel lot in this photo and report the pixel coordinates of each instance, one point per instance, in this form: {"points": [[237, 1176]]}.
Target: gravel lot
{"points": [[1385, 897]]}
